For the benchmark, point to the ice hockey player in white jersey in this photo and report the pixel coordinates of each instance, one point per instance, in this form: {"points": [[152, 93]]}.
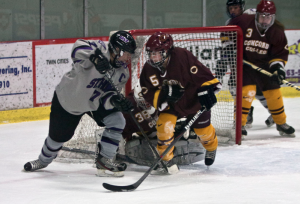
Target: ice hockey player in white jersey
{"points": [[85, 90]]}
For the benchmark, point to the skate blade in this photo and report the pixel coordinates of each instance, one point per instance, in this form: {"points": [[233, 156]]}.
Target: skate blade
{"points": [[287, 135], [106, 173]]}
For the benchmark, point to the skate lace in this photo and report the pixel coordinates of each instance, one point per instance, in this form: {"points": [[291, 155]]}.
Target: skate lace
{"points": [[210, 154], [285, 126]]}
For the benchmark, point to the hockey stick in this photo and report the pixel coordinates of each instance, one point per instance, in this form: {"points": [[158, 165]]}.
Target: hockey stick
{"points": [[269, 74], [108, 77], [134, 186]]}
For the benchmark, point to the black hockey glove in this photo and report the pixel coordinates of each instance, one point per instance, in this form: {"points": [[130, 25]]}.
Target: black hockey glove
{"points": [[278, 73], [207, 97], [171, 93], [123, 105], [100, 61]]}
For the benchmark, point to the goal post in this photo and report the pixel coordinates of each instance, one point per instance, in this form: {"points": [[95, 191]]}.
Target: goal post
{"points": [[205, 43]]}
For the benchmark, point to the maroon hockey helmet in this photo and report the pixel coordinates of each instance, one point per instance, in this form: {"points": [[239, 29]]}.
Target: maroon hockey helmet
{"points": [[266, 6], [265, 14], [161, 43]]}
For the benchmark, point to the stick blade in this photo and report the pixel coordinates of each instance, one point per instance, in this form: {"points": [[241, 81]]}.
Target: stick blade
{"points": [[119, 188]]}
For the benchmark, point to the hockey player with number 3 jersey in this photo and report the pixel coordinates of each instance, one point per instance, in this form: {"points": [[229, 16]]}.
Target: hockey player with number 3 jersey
{"points": [[85, 90], [174, 82], [265, 45]]}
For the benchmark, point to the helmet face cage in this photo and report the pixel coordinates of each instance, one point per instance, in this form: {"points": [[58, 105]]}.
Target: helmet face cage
{"points": [[264, 15], [159, 46], [157, 64], [265, 10], [241, 3]]}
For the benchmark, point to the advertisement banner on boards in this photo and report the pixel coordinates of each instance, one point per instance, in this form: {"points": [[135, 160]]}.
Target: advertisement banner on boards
{"points": [[293, 66], [16, 73]]}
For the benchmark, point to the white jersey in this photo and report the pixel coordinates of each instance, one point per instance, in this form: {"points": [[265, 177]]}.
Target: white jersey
{"points": [[250, 11], [83, 88]]}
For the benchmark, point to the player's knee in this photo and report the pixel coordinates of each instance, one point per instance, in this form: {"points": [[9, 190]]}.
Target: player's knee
{"points": [[115, 120], [165, 125]]}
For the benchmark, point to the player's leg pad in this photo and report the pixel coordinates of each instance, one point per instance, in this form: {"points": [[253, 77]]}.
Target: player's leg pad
{"points": [[248, 94], [207, 137], [275, 105], [185, 152], [165, 126]]}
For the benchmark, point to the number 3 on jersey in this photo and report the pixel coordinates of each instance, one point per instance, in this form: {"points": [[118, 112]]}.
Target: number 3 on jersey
{"points": [[249, 32]]}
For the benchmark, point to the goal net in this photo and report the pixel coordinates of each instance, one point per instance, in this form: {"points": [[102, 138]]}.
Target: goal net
{"points": [[224, 61]]}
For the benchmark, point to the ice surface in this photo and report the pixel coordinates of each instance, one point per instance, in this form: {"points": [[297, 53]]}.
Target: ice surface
{"points": [[264, 169]]}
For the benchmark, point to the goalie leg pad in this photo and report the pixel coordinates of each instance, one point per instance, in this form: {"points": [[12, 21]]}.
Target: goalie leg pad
{"points": [[185, 152]]}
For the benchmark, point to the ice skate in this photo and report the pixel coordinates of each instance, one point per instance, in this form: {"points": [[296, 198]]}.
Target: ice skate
{"points": [[250, 118], [107, 167], [210, 157], [244, 132], [269, 122], [34, 165], [171, 166], [286, 130]]}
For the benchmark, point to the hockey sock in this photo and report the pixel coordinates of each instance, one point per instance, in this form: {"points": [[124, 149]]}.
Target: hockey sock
{"points": [[248, 93], [275, 105], [112, 135], [208, 137], [262, 100], [165, 131], [49, 150]]}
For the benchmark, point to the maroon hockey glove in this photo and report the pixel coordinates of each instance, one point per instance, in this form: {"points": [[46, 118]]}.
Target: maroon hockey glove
{"points": [[207, 97], [100, 61], [278, 73], [171, 93], [122, 104]]}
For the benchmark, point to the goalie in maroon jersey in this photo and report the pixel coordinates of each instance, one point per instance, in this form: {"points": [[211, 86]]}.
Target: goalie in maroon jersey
{"points": [[174, 82], [265, 45], [137, 149]]}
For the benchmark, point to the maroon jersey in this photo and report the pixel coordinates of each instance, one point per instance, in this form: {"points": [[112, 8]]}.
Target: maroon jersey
{"points": [[183, 69], [262, 50], [147, 121]]}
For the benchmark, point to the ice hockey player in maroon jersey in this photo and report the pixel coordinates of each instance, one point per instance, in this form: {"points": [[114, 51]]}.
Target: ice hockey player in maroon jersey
{"points": [[144, 113], [178, 85], [234, 9], [265, 45]]}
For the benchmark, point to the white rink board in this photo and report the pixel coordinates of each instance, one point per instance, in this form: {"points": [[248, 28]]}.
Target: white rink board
{"points": [[293, 66], [52, 62], [16, 84]]}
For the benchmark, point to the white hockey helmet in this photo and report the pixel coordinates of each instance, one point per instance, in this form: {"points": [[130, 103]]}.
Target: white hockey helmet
{"points": [[139, 99]]}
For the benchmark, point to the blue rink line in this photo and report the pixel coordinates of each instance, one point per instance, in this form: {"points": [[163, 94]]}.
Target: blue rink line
{"points": [[13, 94], [13, 57]]}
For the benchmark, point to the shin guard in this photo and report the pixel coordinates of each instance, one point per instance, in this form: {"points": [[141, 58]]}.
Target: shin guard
{"points": [[275, 105], [248, 94], [208, 137], [165, 126]]}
